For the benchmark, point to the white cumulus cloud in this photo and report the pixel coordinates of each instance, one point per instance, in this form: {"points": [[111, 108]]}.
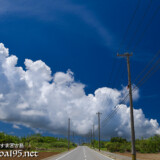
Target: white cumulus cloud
{"points": [[36, 98]]}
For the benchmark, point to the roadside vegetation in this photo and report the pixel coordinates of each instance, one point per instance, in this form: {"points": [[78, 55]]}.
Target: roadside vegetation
{"points": [[37, 142], [118, 144]]}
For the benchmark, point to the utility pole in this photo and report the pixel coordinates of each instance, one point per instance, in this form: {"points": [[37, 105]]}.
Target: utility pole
{"points": [[93, 136], [68, 133], [73, 136], [99, 135], [127, 55]]}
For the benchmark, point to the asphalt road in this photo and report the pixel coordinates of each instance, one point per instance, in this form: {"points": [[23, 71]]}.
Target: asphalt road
{"points": [[81, 153]]}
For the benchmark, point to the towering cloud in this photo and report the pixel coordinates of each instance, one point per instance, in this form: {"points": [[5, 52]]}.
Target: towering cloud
{"points": [[35, 98]]}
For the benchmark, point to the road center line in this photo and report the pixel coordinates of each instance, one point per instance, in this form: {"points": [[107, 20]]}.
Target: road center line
{"points": [[84, 154]]}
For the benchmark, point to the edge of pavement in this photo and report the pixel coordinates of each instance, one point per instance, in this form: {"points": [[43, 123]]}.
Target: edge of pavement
{"points": [[59, 154], [113, 155]]}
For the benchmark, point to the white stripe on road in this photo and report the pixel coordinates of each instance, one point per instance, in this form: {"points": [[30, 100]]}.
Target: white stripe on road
{"points": [[101, 154], [66, 154], [84, 154]]}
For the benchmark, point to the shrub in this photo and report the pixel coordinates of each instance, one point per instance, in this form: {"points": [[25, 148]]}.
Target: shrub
{"points": [[59, 145]]}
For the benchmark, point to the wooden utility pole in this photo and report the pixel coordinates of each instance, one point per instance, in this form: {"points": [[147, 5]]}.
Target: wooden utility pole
{"points": [[68, 133], [73, 136], [93, 135], [127, 55], [99, 129]]}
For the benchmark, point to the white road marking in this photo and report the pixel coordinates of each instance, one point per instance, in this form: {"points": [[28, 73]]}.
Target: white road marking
{"points": [[66, 154], [101, 154], [84, 154]]}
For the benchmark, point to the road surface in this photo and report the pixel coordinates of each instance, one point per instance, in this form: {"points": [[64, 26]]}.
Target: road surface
{"points": [[81, 153]]}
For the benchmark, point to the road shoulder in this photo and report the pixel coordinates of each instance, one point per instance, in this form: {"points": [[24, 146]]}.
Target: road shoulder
{"points": [[113, 155], [59, 155]]}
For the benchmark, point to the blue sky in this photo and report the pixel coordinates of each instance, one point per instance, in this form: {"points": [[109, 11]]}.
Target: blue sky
{"points": [[84, 36]]}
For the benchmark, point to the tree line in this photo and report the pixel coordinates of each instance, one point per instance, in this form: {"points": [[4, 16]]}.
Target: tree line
{"points": [[36, 141], [119, 144]]}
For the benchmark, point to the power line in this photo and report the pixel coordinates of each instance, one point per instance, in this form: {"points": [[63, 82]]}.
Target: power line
{"points": [[150, 62], [130, 23], [140, 82], [147, 26], [136, 31], [139, 24], [110, 116], [121, 43], [117, 108], [115, 82], [146, 77], [148, 73]]}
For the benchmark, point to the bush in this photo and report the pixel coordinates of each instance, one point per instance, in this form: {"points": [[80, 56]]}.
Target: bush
{"points": [[118, 139], [118, 147], [150, 145], [59, 145]]}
